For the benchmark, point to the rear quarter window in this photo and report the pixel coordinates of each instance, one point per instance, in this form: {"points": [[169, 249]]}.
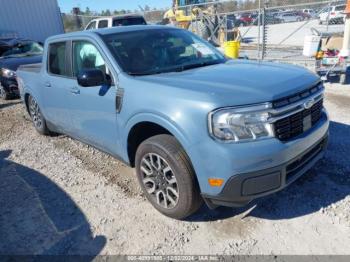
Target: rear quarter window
{"points": [[340, 8], [103, 24], [129, 21]]}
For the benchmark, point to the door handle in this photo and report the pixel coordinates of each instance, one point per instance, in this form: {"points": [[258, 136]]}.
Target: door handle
{"points": [[48, 84], [75, 90]]}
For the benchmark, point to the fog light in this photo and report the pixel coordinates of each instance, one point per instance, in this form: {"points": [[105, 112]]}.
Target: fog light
{"points": [[215, 182]]}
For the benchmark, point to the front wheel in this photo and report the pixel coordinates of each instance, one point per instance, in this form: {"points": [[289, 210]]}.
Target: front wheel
{"points": [[167, 178], [38, 119]]}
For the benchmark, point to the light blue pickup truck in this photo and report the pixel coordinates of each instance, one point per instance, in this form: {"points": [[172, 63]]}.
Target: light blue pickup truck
{"points": [[196, 126]]}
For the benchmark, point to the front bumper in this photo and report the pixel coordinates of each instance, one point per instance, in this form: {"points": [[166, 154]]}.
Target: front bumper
{"points": [[243, 188], [252, 170], [10, 85]]}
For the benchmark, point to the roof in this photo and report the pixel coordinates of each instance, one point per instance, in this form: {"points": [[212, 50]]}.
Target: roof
{"points": [[118, 16], [113, 30]]}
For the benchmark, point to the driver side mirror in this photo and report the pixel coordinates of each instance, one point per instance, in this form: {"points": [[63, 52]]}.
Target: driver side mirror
{"points": [[92, 77]]}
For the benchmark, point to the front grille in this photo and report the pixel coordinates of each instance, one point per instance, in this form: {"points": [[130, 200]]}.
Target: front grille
{"points": [[297, 97], [296, 124], [294, 167]]}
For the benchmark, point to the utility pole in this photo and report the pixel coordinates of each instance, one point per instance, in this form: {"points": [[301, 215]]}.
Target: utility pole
{"points": [[345, 52], [259, 25]]}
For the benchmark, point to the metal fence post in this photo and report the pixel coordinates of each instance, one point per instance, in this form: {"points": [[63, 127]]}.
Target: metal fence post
{"points": [[329, 12], [259, 25], [264, 33]]}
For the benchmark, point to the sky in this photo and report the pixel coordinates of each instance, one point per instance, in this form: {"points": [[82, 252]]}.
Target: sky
{"points": [[98, 5]]}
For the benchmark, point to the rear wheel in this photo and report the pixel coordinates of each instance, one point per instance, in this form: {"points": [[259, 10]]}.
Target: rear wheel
{"points": [[3, 94], [167, 178], [38, 119]]}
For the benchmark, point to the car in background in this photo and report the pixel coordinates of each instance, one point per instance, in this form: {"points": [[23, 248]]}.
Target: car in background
{"points": [[269, 19], [291, 16], [234, 21], [306, 16], [15, 52], [333, 15], [245, 19], [124, 20], [310, 12]]}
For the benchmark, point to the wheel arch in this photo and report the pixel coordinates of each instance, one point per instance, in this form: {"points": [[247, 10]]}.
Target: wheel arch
{"points": [[26, 101], [144, 126]]}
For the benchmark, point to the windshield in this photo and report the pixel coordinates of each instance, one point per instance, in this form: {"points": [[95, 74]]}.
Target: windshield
{"points": [[22, 49], [158, 51]]}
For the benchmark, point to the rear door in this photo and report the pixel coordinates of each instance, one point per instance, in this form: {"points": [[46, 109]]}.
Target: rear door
{"points": [[93, 109], [56, 91]]}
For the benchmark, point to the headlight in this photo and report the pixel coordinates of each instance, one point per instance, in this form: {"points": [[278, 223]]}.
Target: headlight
{"points": [[8, 73], [241, 124]]}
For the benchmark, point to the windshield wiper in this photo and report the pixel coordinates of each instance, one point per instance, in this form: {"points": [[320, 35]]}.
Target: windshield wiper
{"points": [[176, 68], [143, 73], [153, 72], [202, 64]]}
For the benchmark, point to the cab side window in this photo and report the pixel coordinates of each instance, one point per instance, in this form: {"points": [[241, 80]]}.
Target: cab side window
{"points": [[103, 24], [86, 56], [57, 59]]}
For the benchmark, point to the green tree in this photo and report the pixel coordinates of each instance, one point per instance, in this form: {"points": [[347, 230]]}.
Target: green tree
{"points": [[87, 11]]}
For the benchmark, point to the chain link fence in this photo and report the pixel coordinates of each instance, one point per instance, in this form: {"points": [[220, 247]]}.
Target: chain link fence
{"points": [[268, 29]]}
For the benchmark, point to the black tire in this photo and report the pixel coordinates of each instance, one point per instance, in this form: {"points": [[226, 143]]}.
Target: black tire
{"points": [[3, 94], [38, 119], [171, 152]]}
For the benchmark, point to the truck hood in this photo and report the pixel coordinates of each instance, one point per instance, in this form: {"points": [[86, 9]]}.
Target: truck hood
{"points": [[14, 62], [240, 81]]}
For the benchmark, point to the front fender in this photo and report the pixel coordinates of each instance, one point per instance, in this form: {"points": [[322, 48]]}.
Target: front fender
{"points": [[177, 131]]}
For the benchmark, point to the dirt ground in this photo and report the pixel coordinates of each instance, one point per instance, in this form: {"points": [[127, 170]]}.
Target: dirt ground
{"points": [[58, 196]]}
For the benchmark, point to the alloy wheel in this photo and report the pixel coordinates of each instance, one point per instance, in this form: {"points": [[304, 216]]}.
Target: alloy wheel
{"points": [[35, 113], [159, 180]]}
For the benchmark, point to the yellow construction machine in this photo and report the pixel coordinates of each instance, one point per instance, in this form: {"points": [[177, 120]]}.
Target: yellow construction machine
{"points": [[201, 17]]}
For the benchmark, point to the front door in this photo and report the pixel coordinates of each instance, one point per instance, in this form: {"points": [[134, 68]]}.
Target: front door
{"points": [[93, 108]]}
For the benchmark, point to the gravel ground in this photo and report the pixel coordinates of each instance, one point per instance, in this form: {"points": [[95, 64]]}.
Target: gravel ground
{"points": [[58, 196]]}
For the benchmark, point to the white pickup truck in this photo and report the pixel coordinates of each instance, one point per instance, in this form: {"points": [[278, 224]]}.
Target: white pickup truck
{"points": [[112, 21], [334, 15]]}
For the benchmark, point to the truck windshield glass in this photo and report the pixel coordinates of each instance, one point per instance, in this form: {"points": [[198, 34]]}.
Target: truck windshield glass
{"points": [[23, 49], [158, 51]]}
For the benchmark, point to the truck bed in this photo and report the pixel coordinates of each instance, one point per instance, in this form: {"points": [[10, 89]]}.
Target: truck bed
{"points": [[33, 68]]}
